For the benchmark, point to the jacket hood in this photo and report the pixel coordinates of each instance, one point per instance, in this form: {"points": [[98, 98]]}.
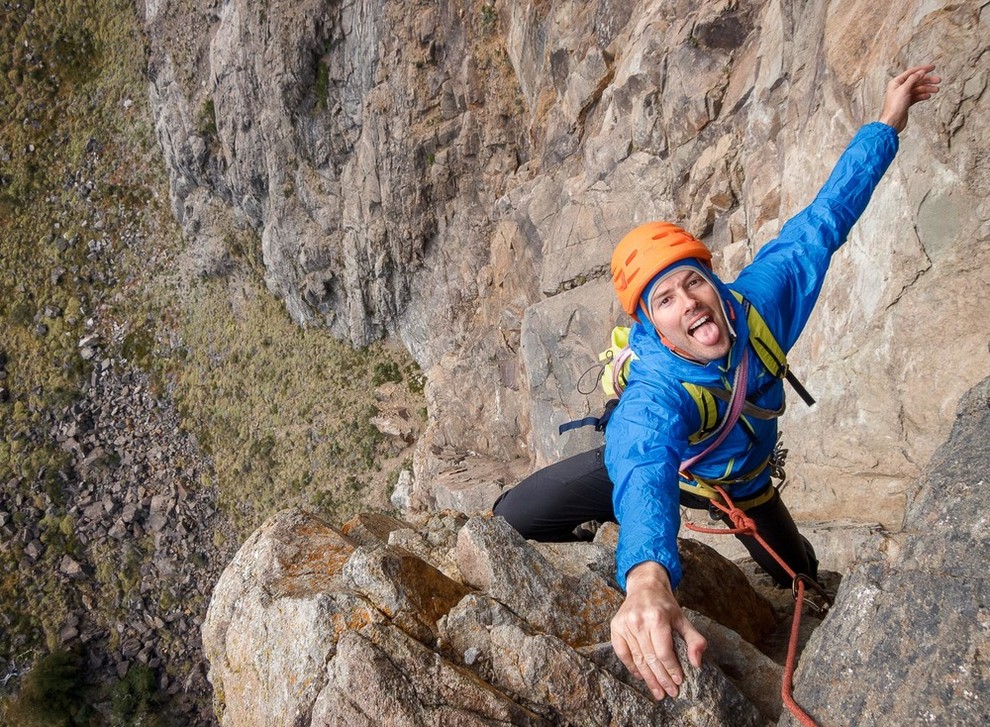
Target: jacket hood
{"points": [[654, 359]]}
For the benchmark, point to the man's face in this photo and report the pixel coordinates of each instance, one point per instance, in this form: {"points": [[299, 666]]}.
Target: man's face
{"points": [[686, 310]]}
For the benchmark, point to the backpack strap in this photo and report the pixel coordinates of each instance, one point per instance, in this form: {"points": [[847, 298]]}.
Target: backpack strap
{"points": [[599, 422], [704, 398], [617, 358], [770, 353]]}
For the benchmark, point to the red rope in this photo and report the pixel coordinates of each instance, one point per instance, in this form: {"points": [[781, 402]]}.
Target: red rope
{"points": [[744, 525]]}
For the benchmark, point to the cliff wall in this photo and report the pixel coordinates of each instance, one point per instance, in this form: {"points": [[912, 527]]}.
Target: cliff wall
{"points": [[455, 177]]}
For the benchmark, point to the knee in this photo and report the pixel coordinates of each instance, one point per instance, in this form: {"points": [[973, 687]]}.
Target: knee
{"points": [[518, 517]]}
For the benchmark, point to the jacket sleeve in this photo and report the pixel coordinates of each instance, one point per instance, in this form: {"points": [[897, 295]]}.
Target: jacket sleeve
{"points": [[644, 445], [786, 276]]}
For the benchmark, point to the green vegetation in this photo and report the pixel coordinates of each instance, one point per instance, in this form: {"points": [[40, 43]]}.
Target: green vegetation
{"points": [[138, 348], [134, 700], [69, 69], [53, 693], [284, 412], [386, 371], [489, 16], [322, 86], [206, 122], [416, 381], [57, 693]]}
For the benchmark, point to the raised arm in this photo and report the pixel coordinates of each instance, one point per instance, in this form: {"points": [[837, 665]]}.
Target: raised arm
{"points": [[787, 273]]}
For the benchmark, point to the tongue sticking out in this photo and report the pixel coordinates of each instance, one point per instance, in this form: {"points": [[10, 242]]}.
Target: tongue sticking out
{"points": [[707, 334]]}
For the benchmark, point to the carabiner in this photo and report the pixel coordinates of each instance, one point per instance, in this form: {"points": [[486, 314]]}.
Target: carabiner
{"points": [[817, 588]]}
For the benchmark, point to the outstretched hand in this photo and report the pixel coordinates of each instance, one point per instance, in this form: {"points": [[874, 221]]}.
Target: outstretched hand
{"points": [[903, 91], [644, 627]]}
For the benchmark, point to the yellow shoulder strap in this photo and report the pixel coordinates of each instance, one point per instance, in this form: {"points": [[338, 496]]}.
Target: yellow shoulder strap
{"points": [[707, 410], [617, 358], [769, 351]]}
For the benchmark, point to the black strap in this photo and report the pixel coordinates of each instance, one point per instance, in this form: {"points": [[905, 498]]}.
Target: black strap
{"points": [[599, 422], [793, 380], [576, 423], [799, 388]]}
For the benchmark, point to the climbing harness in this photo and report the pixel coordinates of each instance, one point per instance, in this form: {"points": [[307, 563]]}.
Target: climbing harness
{"points": [[744, 525], [618, 356]]}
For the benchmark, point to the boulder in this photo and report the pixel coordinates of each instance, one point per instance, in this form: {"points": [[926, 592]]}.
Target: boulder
{"points": [[589, 686], [493, 557], [737, 606], [380, 675], [906, 641], [274, 619], [304, 628]]}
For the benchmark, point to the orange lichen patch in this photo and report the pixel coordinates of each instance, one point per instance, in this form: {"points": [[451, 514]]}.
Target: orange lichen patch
{"points": [[361, 618], [597, 609], [544, 104], [370, 527], [311, 555], [354, 620], [430, 592]]}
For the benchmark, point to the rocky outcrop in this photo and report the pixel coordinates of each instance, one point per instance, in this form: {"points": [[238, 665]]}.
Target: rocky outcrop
{"points": [[907, 641], [453, 622], [456, 178], [461, 621]]}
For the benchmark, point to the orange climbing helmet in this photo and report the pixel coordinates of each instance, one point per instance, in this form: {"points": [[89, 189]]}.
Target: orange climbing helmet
{"points": [[647, 250]]}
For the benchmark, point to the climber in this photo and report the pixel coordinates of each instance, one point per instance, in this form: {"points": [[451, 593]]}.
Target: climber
{"points": [[694, 330], [689, 329]]}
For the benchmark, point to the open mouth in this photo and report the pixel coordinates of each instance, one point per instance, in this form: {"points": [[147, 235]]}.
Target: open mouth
{"points": [[705, 330], [699, 323]]}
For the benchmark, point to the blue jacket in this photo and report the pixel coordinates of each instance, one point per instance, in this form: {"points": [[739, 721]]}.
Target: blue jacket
{"points": [[647, 436]]}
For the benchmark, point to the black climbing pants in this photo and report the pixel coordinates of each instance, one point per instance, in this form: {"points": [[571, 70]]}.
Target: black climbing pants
{"points": [[551, 503]]}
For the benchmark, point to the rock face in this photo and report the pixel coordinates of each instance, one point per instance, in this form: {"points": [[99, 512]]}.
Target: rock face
{"points": [[911, 627], [449, 622], [460, 621], [456, 177]]}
